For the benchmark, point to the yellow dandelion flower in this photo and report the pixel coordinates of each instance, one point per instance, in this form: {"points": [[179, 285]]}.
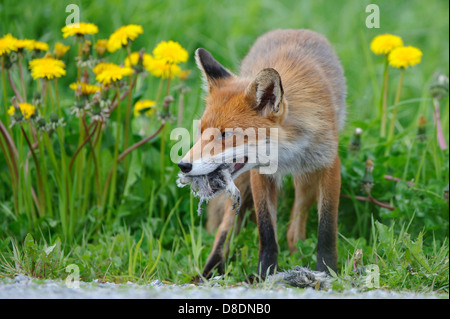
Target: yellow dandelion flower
{"points": [[144, 107], [60, 50], [385, 43], [85, 88], [11, 110], [112, 73], [121, 36], [102, 66], [47, 67], [7, 44], [134, 59], [184, 75], [86, 48], [100, 46], [24, 44], [161, 68], [26, 109], [40, 46], [79, 29], [404, 57], [170, 51]]}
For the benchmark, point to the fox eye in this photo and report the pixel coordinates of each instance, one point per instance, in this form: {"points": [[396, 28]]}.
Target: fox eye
{"points": [[226, 135]]}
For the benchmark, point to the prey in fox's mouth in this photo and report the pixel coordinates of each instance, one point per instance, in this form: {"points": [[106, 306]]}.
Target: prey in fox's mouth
{"points": [[209, 185]]}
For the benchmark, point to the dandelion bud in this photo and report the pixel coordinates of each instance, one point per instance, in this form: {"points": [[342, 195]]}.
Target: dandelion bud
{"points": [[446, 193], [97, 97], [54, 117], [54, 122], [141, 56], [139, 64], [16, 114], [78, 91], [37, 99], [15, 111], [367, 180], [60, 50], [422, 129], [9, 60], [100, 47], [355, 142], [40, 46], [184, 75], [86, 49], [439, 87], [357, 257], [358, 262], [40, 123], [96, 110], [165, 114], [77, 108], [167, 100]]}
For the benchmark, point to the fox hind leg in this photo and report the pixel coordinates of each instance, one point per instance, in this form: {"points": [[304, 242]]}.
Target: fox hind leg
{"points": [[305, 196]]}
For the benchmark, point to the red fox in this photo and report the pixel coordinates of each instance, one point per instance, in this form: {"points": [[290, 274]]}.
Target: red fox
{"points": [[291, 81]]}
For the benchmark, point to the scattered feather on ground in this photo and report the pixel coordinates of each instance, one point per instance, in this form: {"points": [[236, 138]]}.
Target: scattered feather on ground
{"points": [[301, 277]]}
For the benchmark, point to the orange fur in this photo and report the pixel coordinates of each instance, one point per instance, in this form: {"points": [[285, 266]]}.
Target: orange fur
{"points": [[290, 80]]}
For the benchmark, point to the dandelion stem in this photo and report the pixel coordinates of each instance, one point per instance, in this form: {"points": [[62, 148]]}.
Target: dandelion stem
{"points": [[114, 101], [12, 159], [180, 107], [128, 113], [11, 147], [168, 86], [16, 92], [394, 113], [86, 140], [116, 155], [94, 158], [52, 102], [369, 199], [162, 153], [129, 150], [39, 175], [383, 99], [48, 194], [396, 179], [21, 77], [138, 144], [12, 173], [5, 96], [437, 119], [99, 131], [158, 94], [57, 98], [79, 59], [163, 134], [51, 153]]}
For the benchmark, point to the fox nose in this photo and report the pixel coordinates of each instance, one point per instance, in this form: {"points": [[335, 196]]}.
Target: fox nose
{"points": [[185, 167]]}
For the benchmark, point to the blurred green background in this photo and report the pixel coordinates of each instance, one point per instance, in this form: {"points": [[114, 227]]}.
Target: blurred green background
{"points": [[228, 29]]}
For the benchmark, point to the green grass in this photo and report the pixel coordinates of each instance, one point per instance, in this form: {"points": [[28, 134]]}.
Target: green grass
{"points": [[151, 230]]}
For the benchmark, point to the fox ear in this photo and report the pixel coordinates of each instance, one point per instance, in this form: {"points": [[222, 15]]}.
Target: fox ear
{"points": [[213, 71], [266, 91]]}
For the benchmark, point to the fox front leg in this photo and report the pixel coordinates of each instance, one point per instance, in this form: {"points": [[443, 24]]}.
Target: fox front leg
{"points": [[216, 259], [329, 192], [264, 193]]}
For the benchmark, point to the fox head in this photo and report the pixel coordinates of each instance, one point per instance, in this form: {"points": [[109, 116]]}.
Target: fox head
{"points": [[238, 122]]}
